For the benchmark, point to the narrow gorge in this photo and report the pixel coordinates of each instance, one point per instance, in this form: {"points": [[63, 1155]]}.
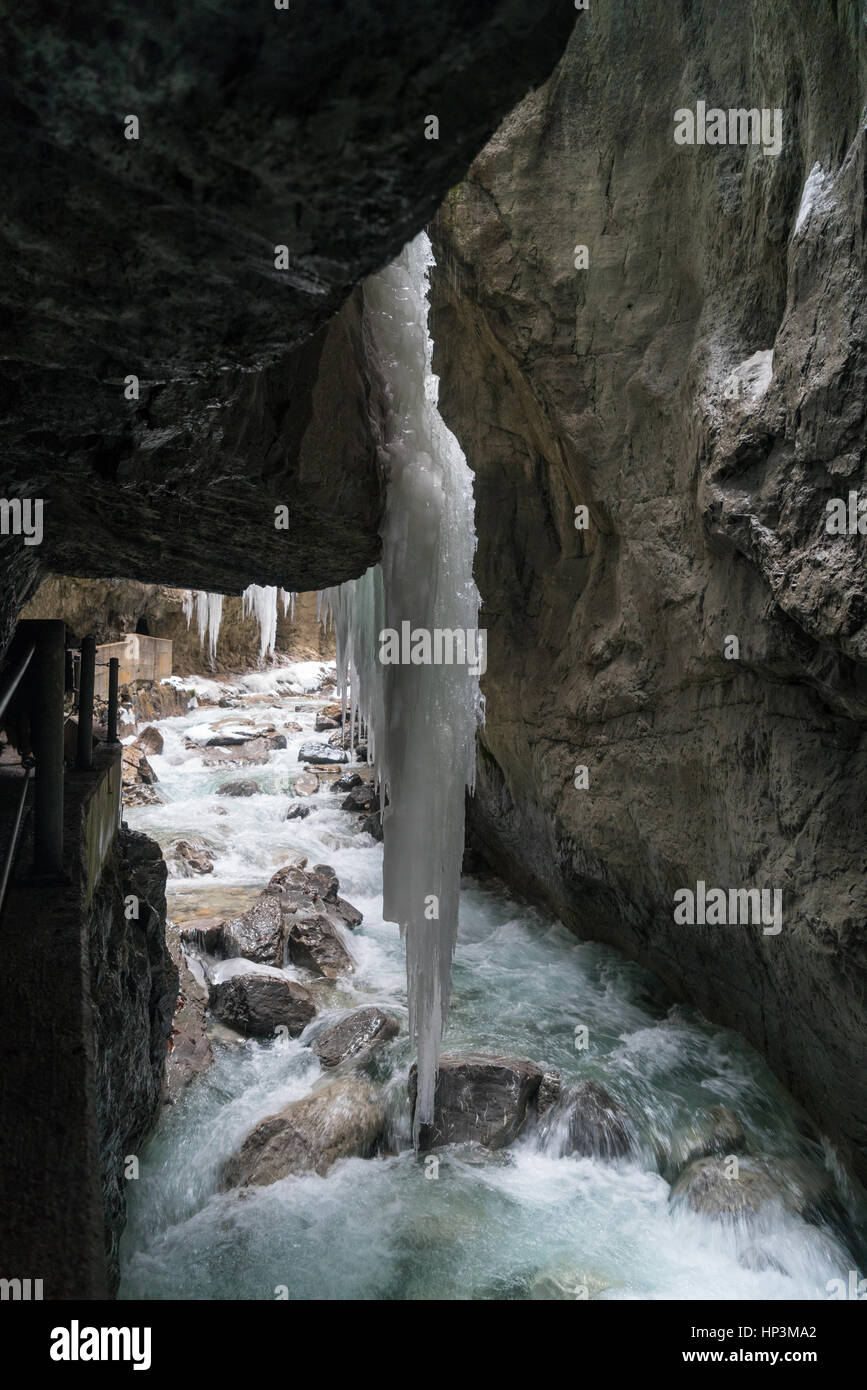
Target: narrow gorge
{"points": [[433, 632]]}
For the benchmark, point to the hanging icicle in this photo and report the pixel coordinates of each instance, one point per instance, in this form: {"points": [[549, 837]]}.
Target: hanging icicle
{"points": [[421, 718], [261, 600], [209, 615]]}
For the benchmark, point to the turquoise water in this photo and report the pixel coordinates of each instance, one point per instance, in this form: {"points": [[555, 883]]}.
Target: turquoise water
{"points": [[515, 1224]]}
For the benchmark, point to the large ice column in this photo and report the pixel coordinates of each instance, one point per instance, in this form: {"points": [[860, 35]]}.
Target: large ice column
{"points": [[422, 719], [261, 600], [209, 615]]}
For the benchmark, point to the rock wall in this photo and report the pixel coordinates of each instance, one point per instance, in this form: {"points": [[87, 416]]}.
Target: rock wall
{"points": [[153, 257], [86, 997], [109, 608], [134, 989], [700, 388]]}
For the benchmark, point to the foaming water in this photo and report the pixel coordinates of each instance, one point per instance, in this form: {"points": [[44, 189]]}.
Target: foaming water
{"points": [[520, 1223]]}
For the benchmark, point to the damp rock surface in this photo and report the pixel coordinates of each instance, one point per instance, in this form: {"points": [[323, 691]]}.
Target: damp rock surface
{"points": [[701, 389], [257, 1005], [353, 1035], [480, 1099], [259, 128], [344, 1119]]}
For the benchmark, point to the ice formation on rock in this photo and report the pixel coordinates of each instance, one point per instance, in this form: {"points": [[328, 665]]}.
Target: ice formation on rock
{"points": [[421, 719], [261, 601], [209, 615]]}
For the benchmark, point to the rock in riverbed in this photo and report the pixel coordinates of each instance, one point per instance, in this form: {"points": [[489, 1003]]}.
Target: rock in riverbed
{"points": [[150, 740], [238, 789], [258, 935], [344, 1119], [479, 1098], [321, 753], [587, 1120], [372, 825], [797, 1185], [357, 1033], [193, 857], [362, 798], [136, 767], [314, 944], [712, 1133], [190, 1053], [299, 914], [257, 1005]]}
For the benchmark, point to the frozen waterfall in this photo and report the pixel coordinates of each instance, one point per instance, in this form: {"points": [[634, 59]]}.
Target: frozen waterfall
{"points": [[421, 718], [209, 614], [258, 600]]}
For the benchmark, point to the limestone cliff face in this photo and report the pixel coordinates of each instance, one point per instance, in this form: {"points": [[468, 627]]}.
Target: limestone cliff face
{"points": [[154, 257], [700, 388], [133, 993], [110, 608]]}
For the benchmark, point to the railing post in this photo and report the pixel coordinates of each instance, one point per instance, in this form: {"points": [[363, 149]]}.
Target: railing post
{"points": [[113, 681], [84, 747], [47, 741]]}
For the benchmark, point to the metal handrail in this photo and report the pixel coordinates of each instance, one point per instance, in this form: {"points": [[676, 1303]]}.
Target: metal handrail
{"points": [[13, 838], [15, 679]]}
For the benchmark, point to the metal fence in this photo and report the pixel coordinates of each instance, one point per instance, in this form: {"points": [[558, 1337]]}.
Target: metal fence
{"points": [[40, 668]]}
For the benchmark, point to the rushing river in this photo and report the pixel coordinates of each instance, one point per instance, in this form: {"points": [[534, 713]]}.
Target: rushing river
{"points": [[518, 1223]]}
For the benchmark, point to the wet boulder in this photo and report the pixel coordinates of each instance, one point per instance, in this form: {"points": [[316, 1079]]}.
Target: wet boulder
{"points": [[372, 825], [549, 1091], [297, 813], [479, 1098], [139, 794], [354, 1035], [256, 1005], [324, 875], [192, 857], [291, 876], [704, 1187], [344, 1119], [348, 781], [587, 1120], [204, 934], [364, 798], [349, 915], [325, 723], [150, 740], [712, 1133], [238, 789], [797, 1185], [301, 891], [321, 753], [306, 784], [258, 934], [189, 1053], [314, 944], [251, 753], [136, 767], [808, 1190], [231, 738]]}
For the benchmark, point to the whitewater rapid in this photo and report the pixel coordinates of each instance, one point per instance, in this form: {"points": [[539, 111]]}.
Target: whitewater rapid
{"points": [[519, 1223]]}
